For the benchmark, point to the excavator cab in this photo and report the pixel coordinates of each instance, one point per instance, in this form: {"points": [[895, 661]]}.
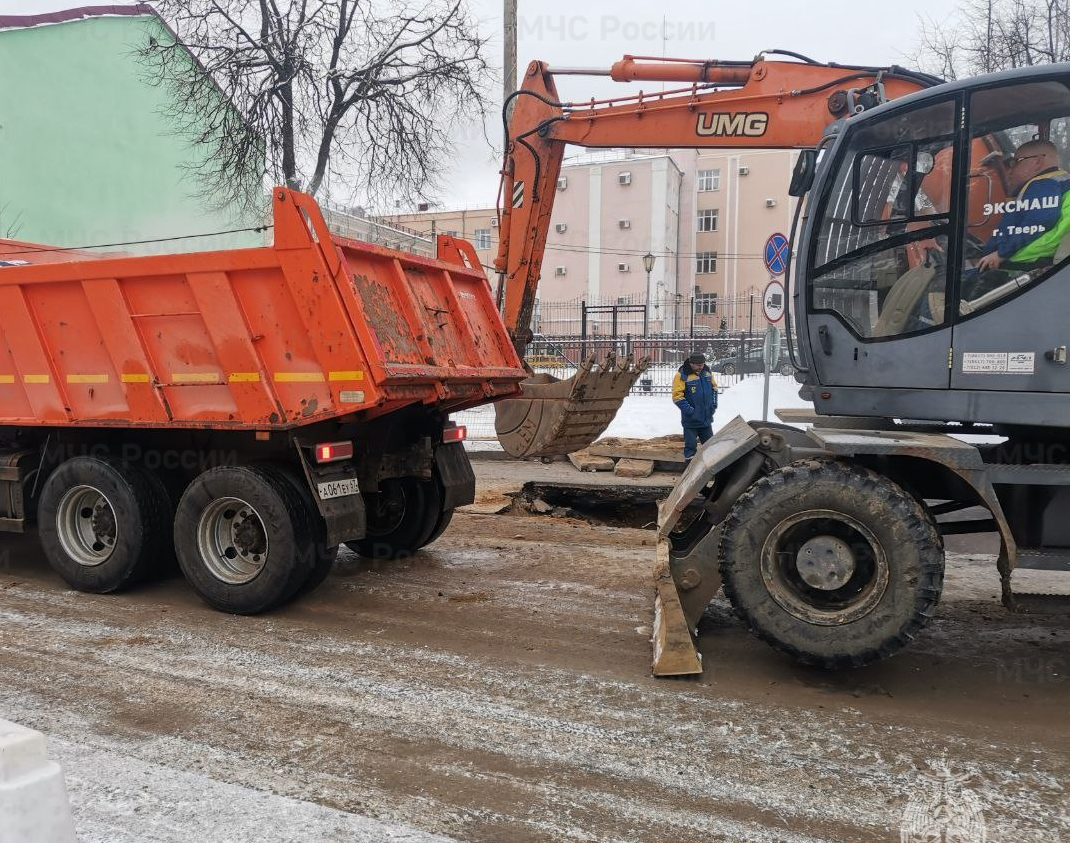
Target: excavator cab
{"points": [[929, 291], [934, 248]]}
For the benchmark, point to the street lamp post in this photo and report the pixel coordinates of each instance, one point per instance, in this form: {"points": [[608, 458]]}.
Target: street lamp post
{"points": [[648, 265]]}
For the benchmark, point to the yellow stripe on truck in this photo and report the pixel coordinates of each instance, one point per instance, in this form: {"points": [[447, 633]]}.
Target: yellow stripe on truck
{"points": [[299, 377], [244, 377], [347, 376]]}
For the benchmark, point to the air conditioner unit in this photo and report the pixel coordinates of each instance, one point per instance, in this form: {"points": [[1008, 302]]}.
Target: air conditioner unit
{"points": [[770, 203], [423, 207], [562, 182], [560, 270], [561, 227], [624, 223], [743, 171], [623, 267], [624, 178], [494, 222]]}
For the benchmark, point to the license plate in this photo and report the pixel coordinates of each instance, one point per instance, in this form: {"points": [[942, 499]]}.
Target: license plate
{"points": [[338, 488]]}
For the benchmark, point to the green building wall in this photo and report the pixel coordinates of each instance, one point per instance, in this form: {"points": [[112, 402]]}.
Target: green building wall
{"points": [[87, 155]]}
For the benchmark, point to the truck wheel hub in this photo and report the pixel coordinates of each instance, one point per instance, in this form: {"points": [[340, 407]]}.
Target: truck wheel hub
{"points": [[86, 526], [232, 541]]}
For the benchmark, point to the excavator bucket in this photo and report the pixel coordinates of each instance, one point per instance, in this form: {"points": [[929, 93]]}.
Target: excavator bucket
{"points": [[556, 417]]}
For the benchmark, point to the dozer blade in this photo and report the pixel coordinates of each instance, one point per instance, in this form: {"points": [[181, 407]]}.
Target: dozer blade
{"points": [[674, 650], [556, 417], [686, 574]]}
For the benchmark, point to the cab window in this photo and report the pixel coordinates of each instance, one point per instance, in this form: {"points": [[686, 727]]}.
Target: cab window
{"points": [[1018, 215], [880, 258]]}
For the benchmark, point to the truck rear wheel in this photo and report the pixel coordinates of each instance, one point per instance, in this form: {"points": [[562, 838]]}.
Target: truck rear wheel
{"points": [[323, 556], [833, 564], [402, 517], [103, 524], [244, 538]]}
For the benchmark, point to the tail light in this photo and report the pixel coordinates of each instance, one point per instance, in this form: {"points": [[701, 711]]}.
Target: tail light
{"points": [[333, 451], [454, 434]]}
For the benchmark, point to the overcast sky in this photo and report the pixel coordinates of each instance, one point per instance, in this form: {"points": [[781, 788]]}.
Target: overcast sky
{"points": [[595, 34]]}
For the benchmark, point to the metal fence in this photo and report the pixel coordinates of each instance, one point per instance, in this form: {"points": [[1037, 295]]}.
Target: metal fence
{"points": [[699, 315]]}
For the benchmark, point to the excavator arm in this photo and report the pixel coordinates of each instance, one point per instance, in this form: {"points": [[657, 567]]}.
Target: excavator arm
{"points": [[759, 104]]}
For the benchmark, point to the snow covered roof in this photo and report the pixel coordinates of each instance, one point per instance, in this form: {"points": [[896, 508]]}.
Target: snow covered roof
{"points": [[67, 15]]}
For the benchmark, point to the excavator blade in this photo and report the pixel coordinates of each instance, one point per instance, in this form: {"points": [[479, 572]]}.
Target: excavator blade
{"points": [[686, 574], [556, 417]]}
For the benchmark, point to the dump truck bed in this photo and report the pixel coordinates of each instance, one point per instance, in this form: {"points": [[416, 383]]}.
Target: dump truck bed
{"points": [[310, 328]]}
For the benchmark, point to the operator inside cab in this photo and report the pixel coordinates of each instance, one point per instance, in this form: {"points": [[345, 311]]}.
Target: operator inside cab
{"points": [[1038, 216], [1034, 221]]}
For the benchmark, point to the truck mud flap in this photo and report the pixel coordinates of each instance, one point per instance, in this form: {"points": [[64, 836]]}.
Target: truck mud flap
{"points": [[454, 471]]}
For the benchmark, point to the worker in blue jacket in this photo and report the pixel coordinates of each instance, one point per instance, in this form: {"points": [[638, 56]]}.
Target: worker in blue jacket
{"points": [[694, 391]]}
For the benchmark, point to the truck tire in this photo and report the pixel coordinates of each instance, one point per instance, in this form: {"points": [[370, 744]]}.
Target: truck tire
{"points": [[401, 518], [244, 538], [103, 524], [323, 557], [831, 563], [440, 526]]}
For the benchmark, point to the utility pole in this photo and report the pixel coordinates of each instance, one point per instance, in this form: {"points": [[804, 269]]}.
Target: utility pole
{"points": [[509, 60]]}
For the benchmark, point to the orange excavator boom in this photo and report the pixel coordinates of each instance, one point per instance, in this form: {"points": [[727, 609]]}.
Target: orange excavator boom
{"points": [[758, 104]]}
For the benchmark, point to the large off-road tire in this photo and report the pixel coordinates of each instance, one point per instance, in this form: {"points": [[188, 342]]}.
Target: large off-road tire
{"points": [[103, 524], [323, 556], [401, 518], [831, 563], [244, 538]]}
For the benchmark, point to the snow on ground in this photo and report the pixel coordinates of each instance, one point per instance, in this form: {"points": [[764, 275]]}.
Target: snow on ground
{"points": [[120, 799], [646, 416]]}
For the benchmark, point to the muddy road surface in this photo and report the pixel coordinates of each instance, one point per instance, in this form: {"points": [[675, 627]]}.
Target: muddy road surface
{"points": [[496, 688]]}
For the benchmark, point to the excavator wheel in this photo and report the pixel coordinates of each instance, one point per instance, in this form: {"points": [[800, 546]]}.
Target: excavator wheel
{"points": [[831, 563], [556, 417]]}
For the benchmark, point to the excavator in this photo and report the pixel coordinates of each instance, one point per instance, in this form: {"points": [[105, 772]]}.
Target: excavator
{"points": [[928, 299], [724, 104]]}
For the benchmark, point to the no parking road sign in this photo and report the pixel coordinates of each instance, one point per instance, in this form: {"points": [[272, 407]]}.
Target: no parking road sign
{"points": [[776, 254]]}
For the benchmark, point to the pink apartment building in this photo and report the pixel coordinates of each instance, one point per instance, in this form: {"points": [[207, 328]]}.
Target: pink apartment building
{"points": [[705, 216]]}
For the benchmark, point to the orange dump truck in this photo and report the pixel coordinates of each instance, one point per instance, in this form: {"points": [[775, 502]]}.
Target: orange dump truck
{"points": [[244, 411]]}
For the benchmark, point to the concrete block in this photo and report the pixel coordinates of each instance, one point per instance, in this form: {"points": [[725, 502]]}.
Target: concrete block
{"points": [[634, 468], [34, 807], [586, 461]]}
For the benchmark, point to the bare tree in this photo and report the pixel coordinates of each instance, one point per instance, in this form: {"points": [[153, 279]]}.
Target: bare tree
{"points": [[10, 222], [299, 92], [983, 36]]}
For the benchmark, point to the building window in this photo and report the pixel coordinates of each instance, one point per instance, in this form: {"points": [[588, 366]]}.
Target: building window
{"points": [[482, 238], [707, 219], [451, 233], [705, 303], [706, 263], [709, 180]]}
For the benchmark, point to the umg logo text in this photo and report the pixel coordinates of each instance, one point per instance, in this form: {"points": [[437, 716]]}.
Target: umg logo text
{"points": [[747, 124]]}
